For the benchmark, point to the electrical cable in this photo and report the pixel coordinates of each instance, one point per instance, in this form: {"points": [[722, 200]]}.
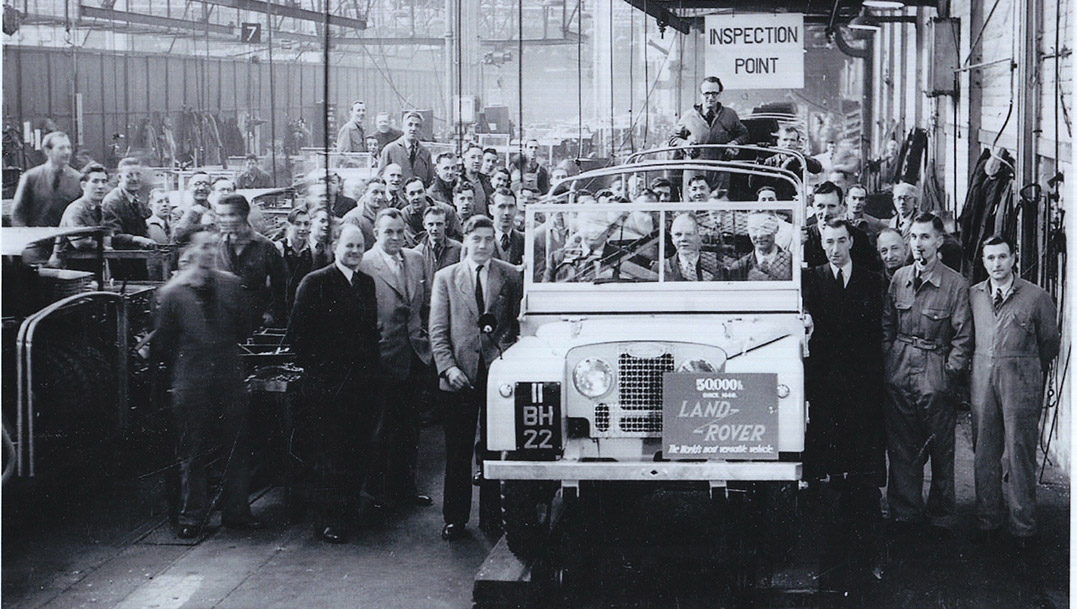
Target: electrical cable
{"points": [[579, 82], [613, 153], [646, 79], [979, 35], [520, 79]]}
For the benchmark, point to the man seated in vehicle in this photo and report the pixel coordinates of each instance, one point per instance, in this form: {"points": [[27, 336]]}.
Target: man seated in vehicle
{"points": [[587, 255], [767, 261], [689, 262], [787, 138]]}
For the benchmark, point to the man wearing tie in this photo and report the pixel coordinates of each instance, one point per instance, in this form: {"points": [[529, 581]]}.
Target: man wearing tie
{"points": [[1016, 339], [437, 249], [927, 341], [767, 262], [405, 352], [844, 375], [462, 293], [409, 152], [333, 330], [509, 241], [688, 263]]}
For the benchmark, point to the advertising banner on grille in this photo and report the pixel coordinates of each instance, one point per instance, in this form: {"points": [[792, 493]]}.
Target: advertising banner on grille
{"points": [[756, 50], [720, 416]]}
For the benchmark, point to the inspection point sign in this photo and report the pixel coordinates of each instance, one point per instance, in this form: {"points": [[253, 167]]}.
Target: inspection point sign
{"points": [[756, 50]]}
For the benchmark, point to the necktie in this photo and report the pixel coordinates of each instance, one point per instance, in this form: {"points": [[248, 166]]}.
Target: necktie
{"points": [[997, 305], [917, 281], [437, 252], [354, 281], [56, 179], [839, 278], [764, 267], [480, 301], [505, 243], [688, 270], [412, 150]]}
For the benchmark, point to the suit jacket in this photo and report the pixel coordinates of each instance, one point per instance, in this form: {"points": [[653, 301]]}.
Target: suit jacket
{"points": [[515, 254], [333, 330], [397, 152], [706, 269], [862, 252], [844, 373], [363, 218], [454, 317], [747, 268], [450, 254], [400, 303]]}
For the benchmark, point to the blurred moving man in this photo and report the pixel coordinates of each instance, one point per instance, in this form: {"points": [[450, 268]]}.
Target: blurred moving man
{"points": [[254, 259], [1017, 337]]}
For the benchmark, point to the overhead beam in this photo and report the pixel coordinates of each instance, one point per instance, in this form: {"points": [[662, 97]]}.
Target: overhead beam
{"points": [[93, 12], [761, 6], [292, 12], [662, 14]]}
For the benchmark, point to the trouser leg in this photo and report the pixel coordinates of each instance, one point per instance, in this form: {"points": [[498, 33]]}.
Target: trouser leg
{"points": [[942, 423], [235, 494], [905, 439], [461, 415], [191, 455], [987, 443], [1022, 396]]}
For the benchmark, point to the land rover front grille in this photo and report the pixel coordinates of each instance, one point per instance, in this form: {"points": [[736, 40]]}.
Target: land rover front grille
{"points": [[639, 380]]}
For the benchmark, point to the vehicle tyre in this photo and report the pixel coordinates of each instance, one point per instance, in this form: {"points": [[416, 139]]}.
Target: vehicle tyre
{"points": [[526, 512]]}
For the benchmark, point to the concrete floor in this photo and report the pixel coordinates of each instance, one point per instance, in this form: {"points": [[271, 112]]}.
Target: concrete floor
{"points": [[101, 543]]}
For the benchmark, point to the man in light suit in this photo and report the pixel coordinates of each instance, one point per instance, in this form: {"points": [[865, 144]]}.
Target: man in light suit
{"points": [[399, 280], [437, 249], [409, 152], [462, 293]]}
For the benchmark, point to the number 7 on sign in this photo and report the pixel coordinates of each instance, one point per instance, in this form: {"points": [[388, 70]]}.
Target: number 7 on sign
{"points": [[251, 32]]}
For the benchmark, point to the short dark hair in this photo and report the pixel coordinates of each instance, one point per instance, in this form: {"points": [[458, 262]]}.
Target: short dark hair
{"points": [[840, 223], [444, 155], [491, 151], [504, 192], [715, 80], [463, 186], [999, 239], [476, 222], [434, 209], [234, 199], [373, 180], [697, 177], [827, 187], [857, 185], [504, 171], [660, 183], [91, 167], [414, 179], [251, 157], [930, 218], [358, 101], [222, 179], [470, 147], [295, 213]]}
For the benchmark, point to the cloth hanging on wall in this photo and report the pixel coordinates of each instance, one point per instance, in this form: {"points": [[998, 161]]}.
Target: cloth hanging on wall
{"points": [[989, 208]]}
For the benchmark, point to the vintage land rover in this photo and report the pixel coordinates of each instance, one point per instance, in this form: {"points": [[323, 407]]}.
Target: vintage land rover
{"points": [[661, 344]]}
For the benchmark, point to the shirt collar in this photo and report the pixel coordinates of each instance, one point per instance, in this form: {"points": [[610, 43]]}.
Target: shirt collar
{"points": [[929, 273], [761, 258], [391, 260], [348, 273], [694, 258], [472, 265], [1006, 288], [846, 270]]}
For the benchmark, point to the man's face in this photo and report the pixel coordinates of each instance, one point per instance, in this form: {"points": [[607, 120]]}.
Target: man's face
{"points": [[592, 229], [856, 199], [60, 153], [382, 123], [319, 225], [350, 247], [131, 179], [489, 161], [504, 212], [891, 148], [390, 235], [558, 175], [415, 193], [526, 197], [95, 187], [229, 218], [251, 164], [333, 185], [394, 176], [446, 169], [831, 148], [375, 197], [473, 160], [665, 193], [698, 191], [999, 260], [766, 195], [500, 180], [762, 230], [412, 125], [924, 241], [434, 224], [788, 139], [892, 250], [161, 206], [685, 235], [221, 188], [372, 145], [531, 149], [464, 202], [904, 201], [200, 187], [710, 94], [836, 243], [203, 251], [358, 113], [828, 207], [299, 231], [480, 245]]}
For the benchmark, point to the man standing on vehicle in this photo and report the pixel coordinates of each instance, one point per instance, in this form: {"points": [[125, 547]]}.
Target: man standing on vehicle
{"points": [[1016, 339], [462, 294], [927, 341], [45, 191], [709, 122], [844, 380]]}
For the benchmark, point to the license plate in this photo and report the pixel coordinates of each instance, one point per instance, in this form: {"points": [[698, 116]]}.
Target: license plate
{"points": [[538, 416], [720, 416]]}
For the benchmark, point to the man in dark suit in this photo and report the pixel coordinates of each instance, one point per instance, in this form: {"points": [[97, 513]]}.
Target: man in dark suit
{"points": [[409, 152], [767, 261], [689, 263], [844, 385], [509, 242], [201, 320], [829, 204], [462, 293], [405, 352], [334, 332]]}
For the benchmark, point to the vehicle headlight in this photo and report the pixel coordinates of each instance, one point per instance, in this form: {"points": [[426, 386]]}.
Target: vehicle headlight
{"points": [[697, 365], [592, 377]]}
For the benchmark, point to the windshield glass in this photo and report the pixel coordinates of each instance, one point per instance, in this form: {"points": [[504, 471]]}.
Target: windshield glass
{"points": [[662, 243]]}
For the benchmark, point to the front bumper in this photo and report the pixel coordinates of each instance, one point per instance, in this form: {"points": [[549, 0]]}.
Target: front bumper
{"points": [[666, 471]]}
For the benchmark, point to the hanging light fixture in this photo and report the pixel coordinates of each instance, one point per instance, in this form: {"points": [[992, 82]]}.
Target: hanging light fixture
{"points": [[883, 4], [865, 22]]}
